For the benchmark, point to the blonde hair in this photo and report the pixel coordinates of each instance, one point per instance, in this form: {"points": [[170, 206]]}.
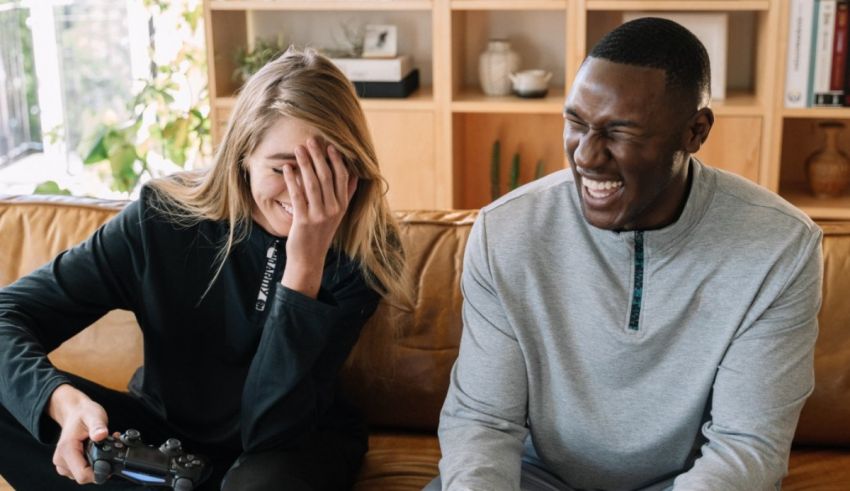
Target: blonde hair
{"points": [[306, 86]]}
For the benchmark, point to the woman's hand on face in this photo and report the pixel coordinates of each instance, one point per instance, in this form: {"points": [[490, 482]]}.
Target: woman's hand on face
{"points": [[80, 418], [320, 195]]}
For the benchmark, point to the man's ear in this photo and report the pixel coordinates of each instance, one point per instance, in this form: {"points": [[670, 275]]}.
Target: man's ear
{"points": [[699, 125]]}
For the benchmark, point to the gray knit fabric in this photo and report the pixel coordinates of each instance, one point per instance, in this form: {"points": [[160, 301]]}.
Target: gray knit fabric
{"points": [[705, 393]]}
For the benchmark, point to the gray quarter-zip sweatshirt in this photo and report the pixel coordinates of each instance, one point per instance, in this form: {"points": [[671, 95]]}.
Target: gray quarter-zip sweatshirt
{"points": [[677, 357]]}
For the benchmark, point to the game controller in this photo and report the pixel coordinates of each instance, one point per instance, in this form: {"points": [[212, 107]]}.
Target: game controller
{"points": [[128, 457]]}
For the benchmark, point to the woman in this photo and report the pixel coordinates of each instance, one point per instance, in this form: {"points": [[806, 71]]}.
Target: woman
{"points": [[250, 280]]}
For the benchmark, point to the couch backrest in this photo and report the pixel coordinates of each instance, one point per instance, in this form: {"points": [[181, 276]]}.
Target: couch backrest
{"points": [[399, 370]]}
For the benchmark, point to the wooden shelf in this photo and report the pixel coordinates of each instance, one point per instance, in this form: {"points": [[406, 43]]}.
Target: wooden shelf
{"points": [[421, 100], [818, 113], [472, 100], [451, 122], [508, 5], [337, 5], [817, 208], [678, 6], [738, 104]]}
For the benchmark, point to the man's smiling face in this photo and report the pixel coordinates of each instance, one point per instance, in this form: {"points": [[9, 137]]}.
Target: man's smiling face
{"points": [[624, 136]]}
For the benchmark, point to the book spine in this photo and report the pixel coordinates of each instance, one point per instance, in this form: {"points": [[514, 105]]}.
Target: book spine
{"points": [[839, 46], [810, 95], [847, 70], [797, 65], [823, 50]]}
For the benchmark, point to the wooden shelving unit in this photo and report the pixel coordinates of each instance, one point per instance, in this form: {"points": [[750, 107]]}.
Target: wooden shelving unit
{"points": [[434, 146]]}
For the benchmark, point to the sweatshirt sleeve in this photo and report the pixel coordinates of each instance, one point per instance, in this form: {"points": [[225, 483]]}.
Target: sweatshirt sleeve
{"points": [[483, 421], [40, 311], [304, 344], [760, 388]]}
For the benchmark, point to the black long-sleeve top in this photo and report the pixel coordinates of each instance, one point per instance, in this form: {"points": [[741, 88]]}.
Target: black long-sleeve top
{"points": [[250, 359]]}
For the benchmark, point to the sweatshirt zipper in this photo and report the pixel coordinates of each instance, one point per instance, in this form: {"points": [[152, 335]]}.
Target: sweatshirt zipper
{"points": [[268, 277], [637, 292]]}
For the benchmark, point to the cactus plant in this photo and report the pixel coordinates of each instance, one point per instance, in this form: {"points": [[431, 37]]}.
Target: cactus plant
{"points": [[539, 170], [513, 177], [495, 170]]}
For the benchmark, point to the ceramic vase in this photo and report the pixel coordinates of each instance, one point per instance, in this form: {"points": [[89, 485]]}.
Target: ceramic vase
{"points": [[495, 65], [828, 169]]}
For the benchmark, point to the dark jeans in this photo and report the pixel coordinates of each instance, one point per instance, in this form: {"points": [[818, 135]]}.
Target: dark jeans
{"points": [[327, 460]]}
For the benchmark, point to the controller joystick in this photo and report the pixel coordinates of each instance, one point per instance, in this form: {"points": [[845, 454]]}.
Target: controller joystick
{"points": [[128, 457], [131, 437], [172, 446], [102, 470]]}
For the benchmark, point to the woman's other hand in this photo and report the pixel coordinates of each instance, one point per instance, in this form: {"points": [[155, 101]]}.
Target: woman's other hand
{"points": [[80, 418], [320, 192]]}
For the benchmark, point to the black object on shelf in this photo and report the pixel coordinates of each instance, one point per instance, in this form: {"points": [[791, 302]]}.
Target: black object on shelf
{"points": [[400, 89]]}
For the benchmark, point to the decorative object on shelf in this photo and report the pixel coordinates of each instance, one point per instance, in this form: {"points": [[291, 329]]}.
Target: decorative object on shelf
{"points": [[353, 33], [531, 83], [249, 60], [393, 90], [495, 170], [513, 175], [711, 28], [495, 65], [513, 171], [828, 169], [375, 69], [380, 41]]}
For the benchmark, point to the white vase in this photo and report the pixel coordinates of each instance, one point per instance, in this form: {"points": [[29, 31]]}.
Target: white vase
{"points": [[495, 66]]}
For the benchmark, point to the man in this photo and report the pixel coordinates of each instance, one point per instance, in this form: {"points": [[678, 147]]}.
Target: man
{"points": [[640, 321]]}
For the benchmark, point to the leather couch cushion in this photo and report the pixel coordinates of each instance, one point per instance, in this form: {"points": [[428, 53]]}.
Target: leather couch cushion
{"points": [[37, 228], [826, 417], [821, 469], [399, 462], [399, 369]]}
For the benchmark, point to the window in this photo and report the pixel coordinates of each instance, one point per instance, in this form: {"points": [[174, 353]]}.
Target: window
{"points": [[20, 127]]}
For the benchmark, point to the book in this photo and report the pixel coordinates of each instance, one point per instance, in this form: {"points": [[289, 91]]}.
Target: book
{"points": [[823, 47], [840, 45], [400, 89], [375, 69], [797, 64]]}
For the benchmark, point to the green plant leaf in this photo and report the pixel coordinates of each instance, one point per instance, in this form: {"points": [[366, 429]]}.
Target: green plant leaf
{"points": [[50, 187], [539, 170], [495, 170], [98, 152], [513, 178], [121, 160]]}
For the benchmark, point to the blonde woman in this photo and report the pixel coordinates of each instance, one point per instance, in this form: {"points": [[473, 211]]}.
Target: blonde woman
{"points": [[250, 280]]}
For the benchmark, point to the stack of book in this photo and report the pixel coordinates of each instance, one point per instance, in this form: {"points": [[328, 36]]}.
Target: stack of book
{"points": [[817, 72], [380, 77]]}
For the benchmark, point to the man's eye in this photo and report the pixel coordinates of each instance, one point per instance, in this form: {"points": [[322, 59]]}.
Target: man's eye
{"points": [[277, 170], [575, 125]]}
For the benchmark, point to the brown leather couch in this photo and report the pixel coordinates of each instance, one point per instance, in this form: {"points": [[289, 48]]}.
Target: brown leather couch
{"points": [[399, 370]]}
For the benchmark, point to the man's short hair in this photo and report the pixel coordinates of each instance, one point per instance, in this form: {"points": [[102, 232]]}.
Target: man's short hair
{"points": [[660, 43]]}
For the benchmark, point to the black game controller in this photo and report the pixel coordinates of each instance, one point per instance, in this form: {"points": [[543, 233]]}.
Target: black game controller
{"points": [[128, 457]]}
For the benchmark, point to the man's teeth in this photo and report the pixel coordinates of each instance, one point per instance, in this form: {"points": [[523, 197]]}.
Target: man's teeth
{"points": [[287, 208], [601, 189], [601, 185]]}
